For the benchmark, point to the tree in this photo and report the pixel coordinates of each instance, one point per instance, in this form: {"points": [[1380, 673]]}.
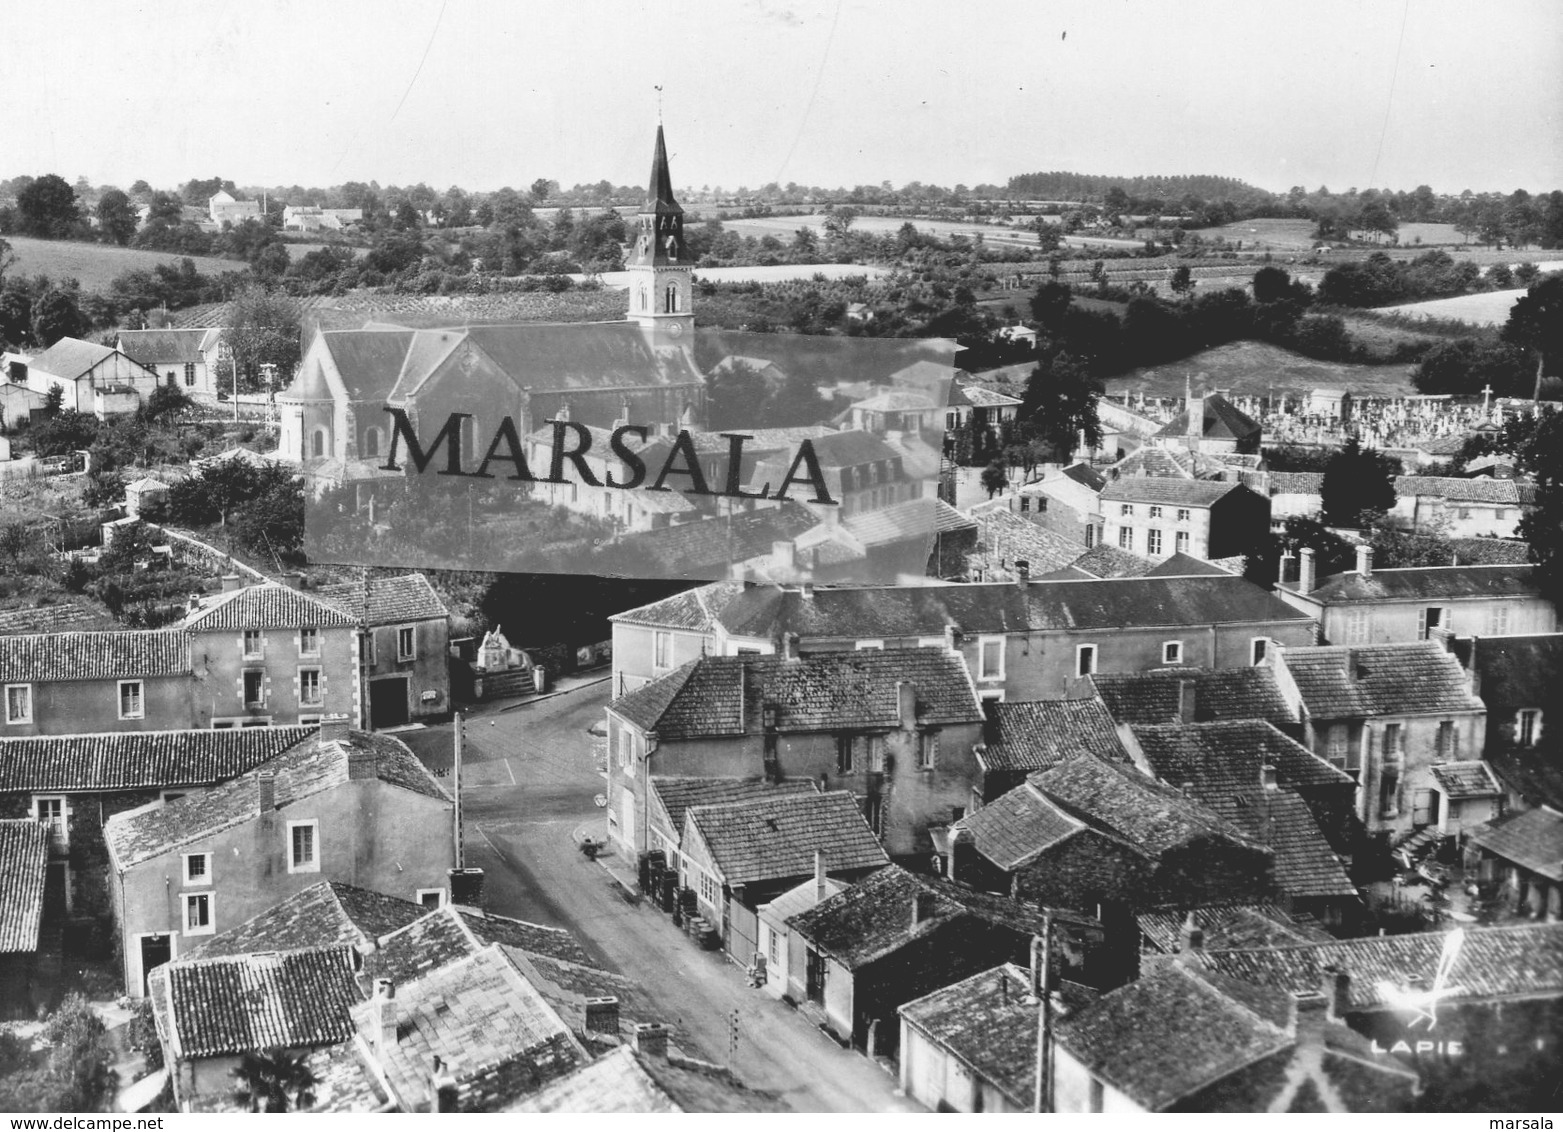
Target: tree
{"points": [[1182, 281], [1050, 302], [47, 208], [1059, 404], [166, 400], [542, 189], [273, 1080], [1543, 526], [80, 1063], [16, 316], [1536, 323], [1358, 483], [7, 258], [263, 329], [733, 393], [116, 218], [995, 478], [57, 316]]}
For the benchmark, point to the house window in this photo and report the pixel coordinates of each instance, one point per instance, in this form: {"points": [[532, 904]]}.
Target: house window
{"points": [[189, 375], [131, 703], [1184, 514], [844, 760], [1025, 503], [1498, 621], [990, 658], [431, 898], [1335, 744], [309, 686], [198, 868], [254, 643], [309, 641], [1432, 618], [1389, 795], [50, 809], [303, 850], [1085, 660], [1357, 626], [1172, 652], [626, 748], [1392, 740], [662, 650], [404, 643], [1526, 727], [1180, 542], [775, 946], [1125, 537], [1257, 647], [18, 703], [254, 689], [1153, 541], [1447, 739], [1090, 535], [198, 913], [1126, 509], [1501, 514], [927, 749], [1155, 512], [1465, 512]]}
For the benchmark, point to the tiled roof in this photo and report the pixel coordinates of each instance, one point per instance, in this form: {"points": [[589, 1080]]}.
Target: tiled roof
{"points": [[447, 934], [70, 358], [1521, 961], [676, 795], [1085, 475], [1149, 460], [1019, 825], [1179, 1030], [234, 1004], [1296, 483], [1180, 492], [24, 859], [1535, 774], [895, 400], [1182, 565], [1490, 551], [980, 397], [326, 914], [1037, 735], [626, 1081], [1144, 813], [1227, 757], [117, 654], [1306, 867], [1414, 583], [269, 606], [1110, 562], [344, 1080], [494, 1034], [989, 1023], [694, 610], [1221, 420], [729, 695], [1219, 694], [1458, 490], [301, 772], [1466, 780], [1010, 537], [1228, 926], [767, 839], [691, 549], [127, 760], [1518, 672], [874, 917], [801, 897], [1002, 607], [908, 519], [1356, 681], [1532, 839], [152, 347], [386, 601], [1445, 445]]}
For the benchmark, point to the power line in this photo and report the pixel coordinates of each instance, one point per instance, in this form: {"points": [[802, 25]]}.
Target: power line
{"points": [[1389, 103], [818, 75]]}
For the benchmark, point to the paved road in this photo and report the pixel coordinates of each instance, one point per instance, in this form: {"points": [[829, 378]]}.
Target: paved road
{"points": [[531, 774]]}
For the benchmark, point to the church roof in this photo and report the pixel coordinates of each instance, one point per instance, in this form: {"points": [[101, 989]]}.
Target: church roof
{"points": [[659, 191]]}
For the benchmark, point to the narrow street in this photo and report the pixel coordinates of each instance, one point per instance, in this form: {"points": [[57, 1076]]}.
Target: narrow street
{"points": [[530, 779]]}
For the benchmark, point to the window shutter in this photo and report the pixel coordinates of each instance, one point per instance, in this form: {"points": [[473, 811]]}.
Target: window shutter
{"points": [[1421, 624]]}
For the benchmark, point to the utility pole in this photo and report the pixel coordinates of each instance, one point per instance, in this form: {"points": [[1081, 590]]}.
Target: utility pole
{"points": [[1041, 986], [455, 786]]}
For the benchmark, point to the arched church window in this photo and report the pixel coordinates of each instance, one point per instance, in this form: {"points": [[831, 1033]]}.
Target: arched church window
{"points": [[372, 442], [672, 301], [319, 445]]}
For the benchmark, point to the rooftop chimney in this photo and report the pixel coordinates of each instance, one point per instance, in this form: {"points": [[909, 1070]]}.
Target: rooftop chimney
{"points": [[963, 843], [1336, 985], [232, 582], [1192, 936], [1306, 582], [906, 704], [466, 887], [385, 1015], [651, 1039], [1187, 697], [1196, 427], [1022, 570], [1310, 1011], [1286, 568], [789, 646], [602, 1015], [266, 791], [922, 906], [820, 888], [334, 728], [1365, 561], [1267, 778], [446, 1096]]}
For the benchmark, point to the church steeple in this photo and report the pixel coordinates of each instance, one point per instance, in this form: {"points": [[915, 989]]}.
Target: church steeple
{"points": [[661, 283]]}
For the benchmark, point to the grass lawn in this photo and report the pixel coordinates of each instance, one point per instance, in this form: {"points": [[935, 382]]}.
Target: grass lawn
{"points": [[1491, 308], [1253, 368], [96, 265]]}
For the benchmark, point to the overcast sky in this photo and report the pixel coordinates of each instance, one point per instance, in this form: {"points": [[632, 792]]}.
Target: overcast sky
{"points": [[483, 93]]}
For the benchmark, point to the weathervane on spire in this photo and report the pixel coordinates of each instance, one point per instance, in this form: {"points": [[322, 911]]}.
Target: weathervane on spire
{"points": [[658, 89]]}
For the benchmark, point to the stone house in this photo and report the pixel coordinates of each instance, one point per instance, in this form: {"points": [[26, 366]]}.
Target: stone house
{"points": [[404, 646], [97, 380], [1461, 508], [114, 680], [189, 360], [895, 727], [1161, 517], [1516, 678], [347, 806], [1366, 606]]}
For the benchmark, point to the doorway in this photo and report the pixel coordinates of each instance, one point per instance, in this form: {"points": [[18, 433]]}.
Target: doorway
{"points": [[388, 702], [155, 951]]}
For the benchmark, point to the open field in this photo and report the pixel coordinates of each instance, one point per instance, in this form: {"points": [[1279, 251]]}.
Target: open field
{"points": [[1254, 368], [96, 265], [1488, 309], [783, 227]]}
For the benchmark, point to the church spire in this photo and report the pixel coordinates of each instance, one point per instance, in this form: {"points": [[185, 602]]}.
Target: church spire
{"points": [[659, 191], [661, 285]]}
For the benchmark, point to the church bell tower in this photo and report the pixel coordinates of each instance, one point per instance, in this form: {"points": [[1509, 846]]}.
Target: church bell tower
{"points": [[660, 272]]}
